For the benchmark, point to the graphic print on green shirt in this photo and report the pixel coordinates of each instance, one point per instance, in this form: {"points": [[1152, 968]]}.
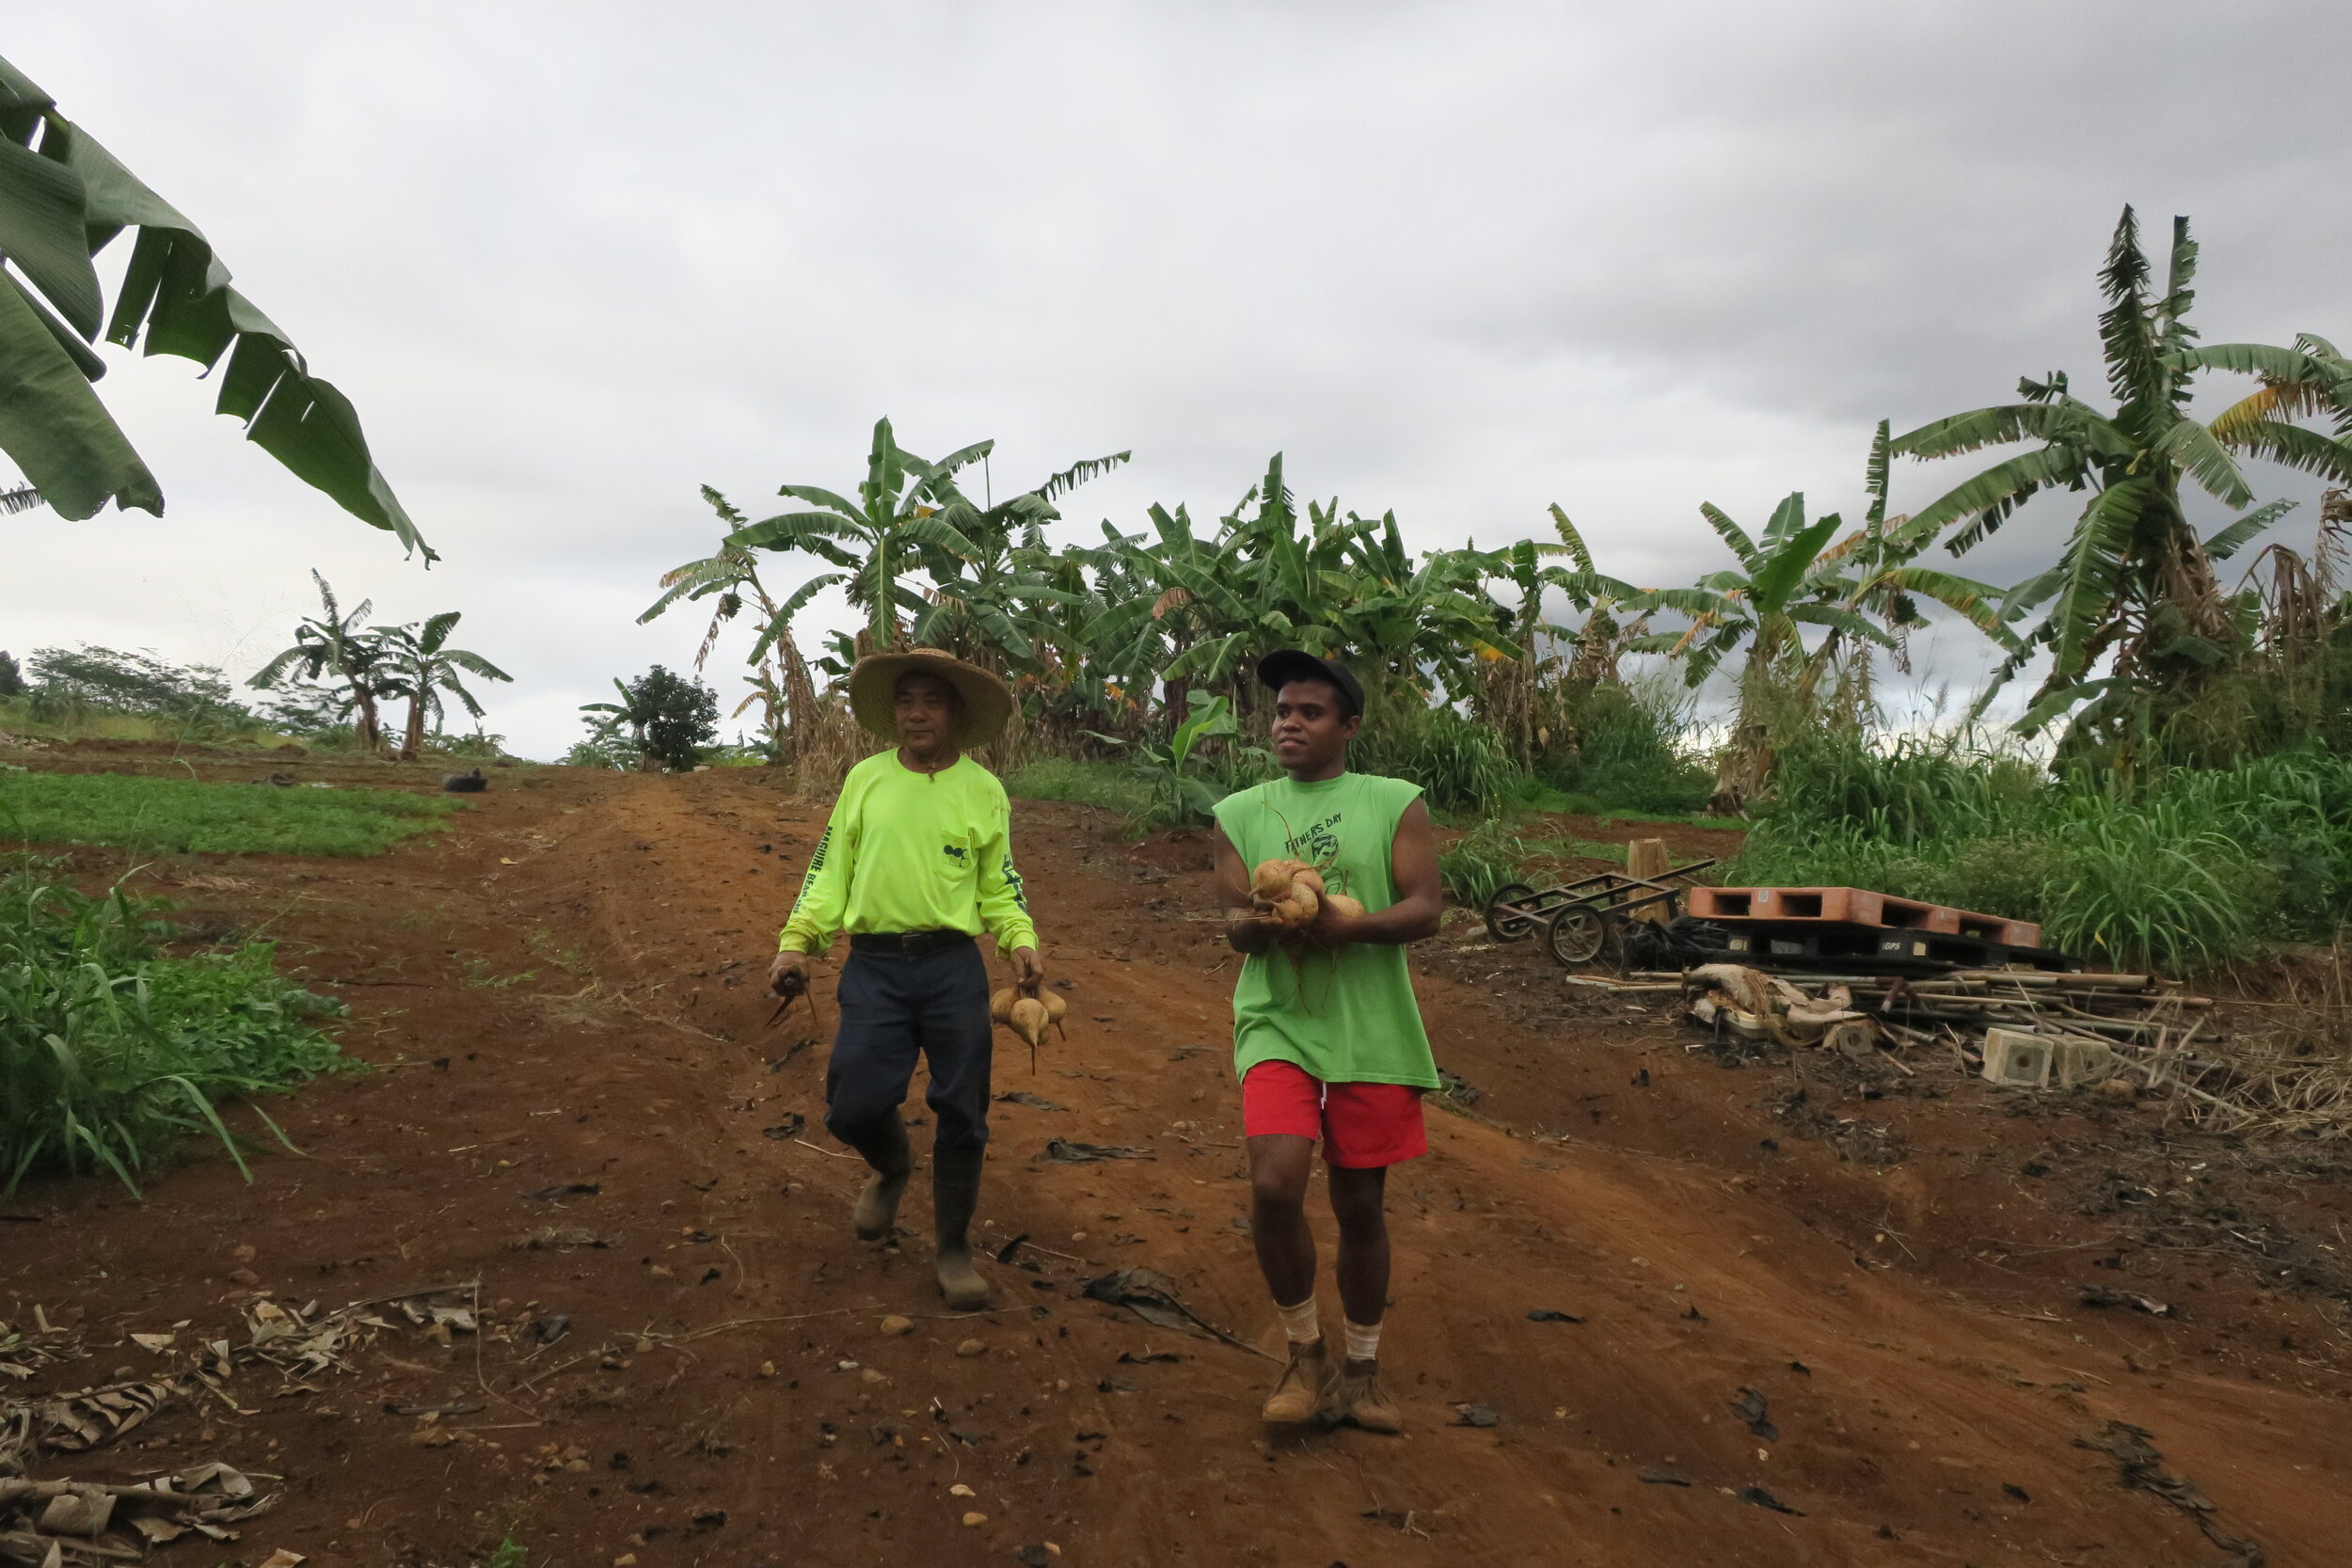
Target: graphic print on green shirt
{"points": [[909, 852], [1346, 1016]]}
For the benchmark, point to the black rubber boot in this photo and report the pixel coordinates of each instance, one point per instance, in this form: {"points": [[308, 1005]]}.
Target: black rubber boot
{"points": [[884, 1145], [955, 1194]]}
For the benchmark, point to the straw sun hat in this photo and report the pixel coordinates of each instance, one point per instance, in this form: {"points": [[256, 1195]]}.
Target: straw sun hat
{"points": [[874, 694]]}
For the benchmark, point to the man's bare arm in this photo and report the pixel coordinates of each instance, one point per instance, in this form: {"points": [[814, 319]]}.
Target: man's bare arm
{"points": [[1246, 930], [1420, 893]]}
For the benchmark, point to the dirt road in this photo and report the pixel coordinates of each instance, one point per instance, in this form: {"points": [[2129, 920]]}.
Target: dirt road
{"points": [[563, 990]]}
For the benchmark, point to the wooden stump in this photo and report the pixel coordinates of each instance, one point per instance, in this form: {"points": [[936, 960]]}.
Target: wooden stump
{"points": [[1646, 858]]}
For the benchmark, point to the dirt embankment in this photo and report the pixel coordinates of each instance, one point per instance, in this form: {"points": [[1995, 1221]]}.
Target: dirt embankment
{"points": [[580, 1105]]}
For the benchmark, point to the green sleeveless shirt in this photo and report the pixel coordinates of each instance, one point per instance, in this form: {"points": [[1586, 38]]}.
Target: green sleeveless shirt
{"points": [[1346, 1016]]}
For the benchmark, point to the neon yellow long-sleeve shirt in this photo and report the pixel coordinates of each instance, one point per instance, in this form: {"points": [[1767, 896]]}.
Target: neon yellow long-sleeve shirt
{"points": [[908, 851]]}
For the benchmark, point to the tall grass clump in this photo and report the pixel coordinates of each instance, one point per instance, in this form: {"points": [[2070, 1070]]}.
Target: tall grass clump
{"points": [[1462, 765], [1628, 755], [1480, 863], [2178, 869], [112, 1053]]}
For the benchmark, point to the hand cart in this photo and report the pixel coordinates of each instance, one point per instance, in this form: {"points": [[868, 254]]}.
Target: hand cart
{"points": [[1580, 920]]}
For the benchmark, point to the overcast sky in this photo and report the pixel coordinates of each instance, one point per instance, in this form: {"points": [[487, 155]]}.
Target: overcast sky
{"points": [[1461, 260]]}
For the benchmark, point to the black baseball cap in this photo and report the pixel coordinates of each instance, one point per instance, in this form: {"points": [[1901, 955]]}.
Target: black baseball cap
{"points": [[1279, 669]]}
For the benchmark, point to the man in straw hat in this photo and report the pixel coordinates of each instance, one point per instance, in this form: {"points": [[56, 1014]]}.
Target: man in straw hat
{"points": [[917, 860]]}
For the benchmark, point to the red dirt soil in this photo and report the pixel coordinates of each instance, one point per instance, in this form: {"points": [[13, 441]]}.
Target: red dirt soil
{"points": [[564, 986]]}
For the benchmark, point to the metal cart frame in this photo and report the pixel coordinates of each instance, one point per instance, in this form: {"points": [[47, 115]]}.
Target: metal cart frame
{"points": [[1579, 921]]}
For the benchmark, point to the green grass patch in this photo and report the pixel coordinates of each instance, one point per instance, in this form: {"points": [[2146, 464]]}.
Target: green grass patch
{"points": [[111, 1054], [180, 815], [1112, 785]]}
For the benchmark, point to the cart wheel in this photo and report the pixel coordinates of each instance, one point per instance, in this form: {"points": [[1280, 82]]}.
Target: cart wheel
{"points": [[1574, 935], [1509, 928]]}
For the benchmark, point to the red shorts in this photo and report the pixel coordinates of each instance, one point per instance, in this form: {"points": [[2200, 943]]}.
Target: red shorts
{"points": [[1362, 1125]]}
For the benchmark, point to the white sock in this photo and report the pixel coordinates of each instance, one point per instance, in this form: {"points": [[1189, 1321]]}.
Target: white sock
{"points": [[1364, 1344], [1298, 1322]]}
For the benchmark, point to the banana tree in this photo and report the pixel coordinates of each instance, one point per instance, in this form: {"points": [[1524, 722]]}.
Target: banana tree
{"points": [[1414, 619], [1788, 580], [780, 679], [1160, 596], [2133, 593], [64, 198], [991, 604], [1179, 797], [420, 665], [336, 641], [1878, 561], [1507, 695], [908, 516]]}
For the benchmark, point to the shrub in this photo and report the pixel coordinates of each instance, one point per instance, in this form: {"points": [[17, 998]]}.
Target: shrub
{"points": [[1462, 765], [665, 718], [1627, 754], [111, 1054], [1479, 862]]}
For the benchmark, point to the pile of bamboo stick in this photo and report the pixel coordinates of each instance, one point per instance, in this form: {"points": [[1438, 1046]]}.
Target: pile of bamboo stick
{"points": [[2150, 1023]]}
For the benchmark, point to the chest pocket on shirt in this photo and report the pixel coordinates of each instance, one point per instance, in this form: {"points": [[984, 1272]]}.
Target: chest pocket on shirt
{"points": [[959, 861]]}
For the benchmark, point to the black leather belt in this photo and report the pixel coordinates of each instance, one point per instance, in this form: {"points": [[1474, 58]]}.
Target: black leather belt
{"points": [[906, 944]]}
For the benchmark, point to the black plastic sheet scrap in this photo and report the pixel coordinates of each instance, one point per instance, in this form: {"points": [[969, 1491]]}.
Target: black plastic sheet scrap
{"points": [[1751, 1407]]}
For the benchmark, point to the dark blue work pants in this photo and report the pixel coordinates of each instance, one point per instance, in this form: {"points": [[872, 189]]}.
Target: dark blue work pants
{"points": [[894, 1006]]}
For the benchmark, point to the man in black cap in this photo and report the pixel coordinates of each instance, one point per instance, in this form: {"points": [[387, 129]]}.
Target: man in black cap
{"points": [[1328, 1038]]}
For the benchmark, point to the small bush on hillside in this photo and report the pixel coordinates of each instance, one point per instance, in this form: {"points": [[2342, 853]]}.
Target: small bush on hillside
{"points": [[111, 1054], [602, 750]]}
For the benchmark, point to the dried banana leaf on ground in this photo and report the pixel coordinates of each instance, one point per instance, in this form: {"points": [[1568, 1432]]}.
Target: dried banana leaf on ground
{"points": [[50, 1523], [296, 1343]]}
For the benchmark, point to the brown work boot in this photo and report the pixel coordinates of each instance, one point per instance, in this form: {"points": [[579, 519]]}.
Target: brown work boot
{"points": [[1296, 1394], [1357, 1396]]}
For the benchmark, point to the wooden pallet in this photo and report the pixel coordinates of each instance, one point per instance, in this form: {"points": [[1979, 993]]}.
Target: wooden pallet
{"points": [[1731, 907]]}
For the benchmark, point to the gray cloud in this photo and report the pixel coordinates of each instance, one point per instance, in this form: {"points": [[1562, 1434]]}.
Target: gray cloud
{"points": [[1460, 259]]}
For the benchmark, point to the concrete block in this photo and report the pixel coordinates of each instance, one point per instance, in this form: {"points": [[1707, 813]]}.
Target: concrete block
{"points": [[2082, 1061], [2017, 1060]]}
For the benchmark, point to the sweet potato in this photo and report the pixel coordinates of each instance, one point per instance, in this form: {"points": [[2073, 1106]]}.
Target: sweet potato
{"points": [[1344, 904], [1029, 1020], [1000, 1006], [1272, 881]]}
